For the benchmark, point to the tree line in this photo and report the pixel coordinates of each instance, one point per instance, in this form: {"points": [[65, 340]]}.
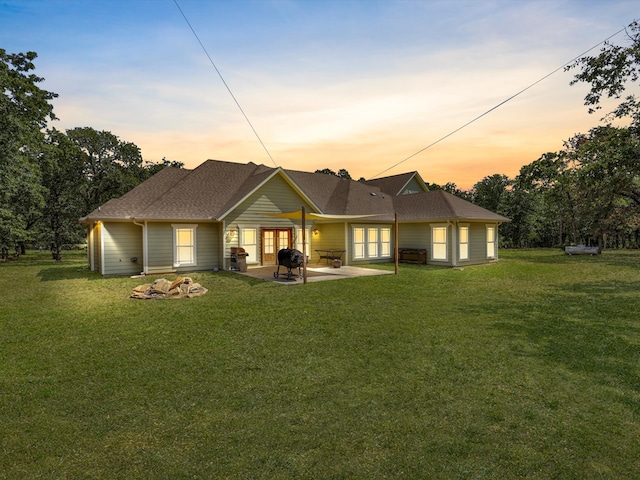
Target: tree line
{"points": [[589, 192], [48, 178]]}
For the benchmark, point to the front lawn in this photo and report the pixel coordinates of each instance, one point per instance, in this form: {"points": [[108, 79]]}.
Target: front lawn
{"points": [[529, 368]]}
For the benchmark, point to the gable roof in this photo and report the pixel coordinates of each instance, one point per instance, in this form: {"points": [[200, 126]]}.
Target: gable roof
{"points": [[439, 205], [395, 184], [214, 188], [341, 196]]}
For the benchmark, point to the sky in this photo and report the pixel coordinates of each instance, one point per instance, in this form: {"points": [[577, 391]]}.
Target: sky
{"points": [[361, 85]]}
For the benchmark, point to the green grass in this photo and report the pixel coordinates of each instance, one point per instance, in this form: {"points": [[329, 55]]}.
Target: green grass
{"points": [[529, 368]]}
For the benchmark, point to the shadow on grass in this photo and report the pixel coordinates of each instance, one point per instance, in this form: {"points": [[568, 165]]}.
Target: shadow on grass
{"points": [[69, 272]]}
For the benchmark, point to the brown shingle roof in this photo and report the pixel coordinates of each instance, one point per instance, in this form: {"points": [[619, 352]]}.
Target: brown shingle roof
{"points": [[341, 196], [213, 188], [394, 184], [440, 205]]}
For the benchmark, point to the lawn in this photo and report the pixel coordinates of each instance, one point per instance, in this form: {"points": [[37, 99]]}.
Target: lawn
{"points": [[529, 368]]}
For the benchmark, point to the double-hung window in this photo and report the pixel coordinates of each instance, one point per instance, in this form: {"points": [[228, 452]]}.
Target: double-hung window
{"points": [[184, 245], [439, 242], [491, 241], [371, 242], [249, 241], [463, 242]]}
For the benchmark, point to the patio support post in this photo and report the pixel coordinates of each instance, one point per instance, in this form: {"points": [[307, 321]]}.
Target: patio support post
{"points": [[395, 241], [304, 245]]}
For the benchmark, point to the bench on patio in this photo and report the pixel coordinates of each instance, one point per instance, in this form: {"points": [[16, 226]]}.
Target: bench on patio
{"points": [[412, 255], [330, 255]]}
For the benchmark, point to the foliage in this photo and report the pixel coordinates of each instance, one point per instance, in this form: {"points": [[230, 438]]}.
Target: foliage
{"points": [[452, 188], [534, 374], [610, 73], [24, 111], [61, 166], [342, 173]]}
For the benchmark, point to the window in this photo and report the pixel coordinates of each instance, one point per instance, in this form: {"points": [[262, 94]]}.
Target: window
{"points": [[249, 241], [358, 242], [463, 235], [184, 245], [371, 242], [439, 242], [491, 241]]}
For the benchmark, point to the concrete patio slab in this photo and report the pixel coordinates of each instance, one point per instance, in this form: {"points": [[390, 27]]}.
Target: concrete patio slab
{"points": [[314, 273]]}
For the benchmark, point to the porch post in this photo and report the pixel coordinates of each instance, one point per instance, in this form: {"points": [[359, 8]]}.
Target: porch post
{"points": [[304, 245]]}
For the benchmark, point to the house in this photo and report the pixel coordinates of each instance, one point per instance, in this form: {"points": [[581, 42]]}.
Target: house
{"points": [[186, 220]]}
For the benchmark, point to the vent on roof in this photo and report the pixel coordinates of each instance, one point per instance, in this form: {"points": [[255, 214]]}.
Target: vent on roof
{"points": [[373, 194]]}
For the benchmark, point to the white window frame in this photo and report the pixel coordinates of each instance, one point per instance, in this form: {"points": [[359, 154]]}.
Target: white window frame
{"points": [[492, 238], [371, 242], [463, 241], [436, 247], [177, 227], [250, 248]]}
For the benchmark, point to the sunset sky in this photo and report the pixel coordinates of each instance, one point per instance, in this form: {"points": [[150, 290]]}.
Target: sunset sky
{"points": [[360, 85]]}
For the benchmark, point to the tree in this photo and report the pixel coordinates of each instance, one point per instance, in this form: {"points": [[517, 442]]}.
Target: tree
{"points": [[342, 173], [61, 165], [489, 192], [24, 113], [606, 164], [111, 167], [610, 73]]}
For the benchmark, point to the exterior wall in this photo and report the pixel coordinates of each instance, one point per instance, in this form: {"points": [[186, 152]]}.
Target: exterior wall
{"points": [[160, 247], [121, 243], [414, 235], [349, 254], [412, 187], [273, 197], [478, 244], [94, 247], [331, 236]]}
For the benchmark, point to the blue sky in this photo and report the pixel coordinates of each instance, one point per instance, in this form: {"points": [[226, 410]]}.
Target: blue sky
{"points": [[360, 85]]}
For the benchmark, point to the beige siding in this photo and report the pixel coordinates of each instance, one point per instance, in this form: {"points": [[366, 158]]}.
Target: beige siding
{"points": [[414, 235], [122, 242], [160, 247], [412, 187], [208, 253], [97, 247], [331, 236], [276, 196]]}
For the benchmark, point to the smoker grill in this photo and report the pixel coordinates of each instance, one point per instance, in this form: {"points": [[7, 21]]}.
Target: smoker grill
{"points": [[289, 258]]}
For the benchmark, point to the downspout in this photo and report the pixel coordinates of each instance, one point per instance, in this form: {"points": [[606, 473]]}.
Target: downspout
{"points": [[144, 244]]}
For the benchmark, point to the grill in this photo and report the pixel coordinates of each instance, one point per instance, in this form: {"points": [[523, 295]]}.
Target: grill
{"points": [[238, 259], [290, 259]]}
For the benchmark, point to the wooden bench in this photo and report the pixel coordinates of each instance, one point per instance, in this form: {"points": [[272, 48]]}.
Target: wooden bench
{"points": [[412, 255], [330, 255]]}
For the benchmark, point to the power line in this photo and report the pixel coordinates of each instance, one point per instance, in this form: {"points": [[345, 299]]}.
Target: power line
{"points": [[225, 83], [498, 105]]}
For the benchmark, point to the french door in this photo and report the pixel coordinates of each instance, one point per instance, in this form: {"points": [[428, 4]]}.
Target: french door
{"points": [[274, 239]]}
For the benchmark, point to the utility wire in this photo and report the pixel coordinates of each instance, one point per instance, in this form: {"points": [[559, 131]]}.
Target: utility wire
{"points": [[498, 105], [225, 83]]}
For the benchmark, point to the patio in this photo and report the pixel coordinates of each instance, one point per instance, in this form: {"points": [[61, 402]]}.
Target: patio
{"points": [[314, 273]]}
